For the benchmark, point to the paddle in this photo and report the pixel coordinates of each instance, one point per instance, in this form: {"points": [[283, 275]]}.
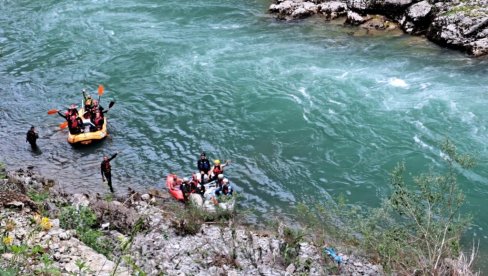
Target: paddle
{"points": [[52, 111], [100, 91], [63, 125]]}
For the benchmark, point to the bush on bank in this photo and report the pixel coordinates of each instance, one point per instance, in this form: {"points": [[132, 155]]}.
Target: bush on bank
{"points": [[417, 228]]}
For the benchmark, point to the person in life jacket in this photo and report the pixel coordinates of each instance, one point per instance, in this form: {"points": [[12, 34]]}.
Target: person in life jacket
{"points": [[31, 137], [88, 103], [72, 110], [220, 180], [197, 184], [185, 187], [203, 165], [98, 122], [225, 189], [106, 171], [97, 108], [217, 169], [74, 122]]}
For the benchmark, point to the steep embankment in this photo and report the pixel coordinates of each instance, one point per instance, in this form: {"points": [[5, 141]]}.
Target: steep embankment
{"points": [[48, 232], [458, 24]]}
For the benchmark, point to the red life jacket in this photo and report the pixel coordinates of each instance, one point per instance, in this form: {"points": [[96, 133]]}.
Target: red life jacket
{"points": [[74, 121], [97, 122], [217, 170]]}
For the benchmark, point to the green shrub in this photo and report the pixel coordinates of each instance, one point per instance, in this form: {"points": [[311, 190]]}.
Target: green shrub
{"points": [[38, 197], [290, 248], [84, 221], [3, 172], [416, 228]]}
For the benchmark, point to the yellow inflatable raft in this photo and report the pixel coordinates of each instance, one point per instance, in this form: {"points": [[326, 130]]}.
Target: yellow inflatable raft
{"points": [[87, 137]]}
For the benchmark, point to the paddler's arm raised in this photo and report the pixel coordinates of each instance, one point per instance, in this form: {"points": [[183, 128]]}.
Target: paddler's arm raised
{"points": [[113, 156]]}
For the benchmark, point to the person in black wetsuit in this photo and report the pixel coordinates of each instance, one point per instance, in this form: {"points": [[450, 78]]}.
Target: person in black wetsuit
{"points": [[203, 165], [31, 137], [106, 170]]}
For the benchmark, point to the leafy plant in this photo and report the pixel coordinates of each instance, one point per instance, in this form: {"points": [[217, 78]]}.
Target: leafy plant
{"points": [[416, 228], [83, 221], [38, 197], [291, 246], [3, 172]]}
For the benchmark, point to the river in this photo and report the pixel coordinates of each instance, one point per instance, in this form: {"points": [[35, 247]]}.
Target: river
{"points": [[304, 110]]}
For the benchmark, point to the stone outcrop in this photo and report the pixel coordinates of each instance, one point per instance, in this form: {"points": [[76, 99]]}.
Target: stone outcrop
{"points": [[455, 24], [158, 249]]}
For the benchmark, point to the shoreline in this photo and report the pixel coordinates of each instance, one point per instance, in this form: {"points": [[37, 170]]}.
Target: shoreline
{"points": [[459, 25], [149, 233]]}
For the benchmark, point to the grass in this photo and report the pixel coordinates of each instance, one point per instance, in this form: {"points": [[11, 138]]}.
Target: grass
{"points": [[469, 10]]}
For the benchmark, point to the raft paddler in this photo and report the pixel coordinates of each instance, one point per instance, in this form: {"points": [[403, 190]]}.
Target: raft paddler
{"points": [[74, 122], [98, 122], [106, 170], [88, 102]]}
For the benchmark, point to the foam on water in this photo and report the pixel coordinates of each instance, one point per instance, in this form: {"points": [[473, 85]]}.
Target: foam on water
{"points": [[396, 82]]}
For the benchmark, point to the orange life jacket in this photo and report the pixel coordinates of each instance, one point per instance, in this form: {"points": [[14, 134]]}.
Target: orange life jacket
{"points": [[217, 170]]}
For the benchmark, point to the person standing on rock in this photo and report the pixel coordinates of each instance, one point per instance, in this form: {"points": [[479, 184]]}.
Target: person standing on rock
{"points": [[32, 136], [106, 171]]}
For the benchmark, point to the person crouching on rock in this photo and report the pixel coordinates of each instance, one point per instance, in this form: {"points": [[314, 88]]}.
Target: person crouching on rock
{"points": [[106, 171], [186, 188], [226, 188], [196, 184]]}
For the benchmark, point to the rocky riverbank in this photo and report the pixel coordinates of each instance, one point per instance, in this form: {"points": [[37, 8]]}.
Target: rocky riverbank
{"points": [[458, 24], [49, 232]]}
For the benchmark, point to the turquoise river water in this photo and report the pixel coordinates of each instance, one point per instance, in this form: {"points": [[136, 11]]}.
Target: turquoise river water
{"points": [[305, 110]]}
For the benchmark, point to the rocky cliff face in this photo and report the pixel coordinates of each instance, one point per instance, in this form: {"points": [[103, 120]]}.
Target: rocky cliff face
{"points": [[458, 24], [140, 234]]}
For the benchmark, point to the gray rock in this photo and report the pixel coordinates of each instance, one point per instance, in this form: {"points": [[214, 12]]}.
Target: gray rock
{"points": [[478, 47], [333, 9], [7, 256], [64, 235], [390, 8], [80, 200], [290, 269], [355, 19], [419, 11]]}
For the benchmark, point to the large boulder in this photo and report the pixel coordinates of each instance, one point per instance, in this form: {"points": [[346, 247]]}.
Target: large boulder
{"points": [[417, 18], [332, 10], [462, 27], [478, 47], [391, 8], [304, 10], [355, 19], [293, 9]]}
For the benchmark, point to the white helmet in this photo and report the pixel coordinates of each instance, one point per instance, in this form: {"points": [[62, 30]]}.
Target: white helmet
{"points": [[226, 180], [220, 176], [185, 179]]}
